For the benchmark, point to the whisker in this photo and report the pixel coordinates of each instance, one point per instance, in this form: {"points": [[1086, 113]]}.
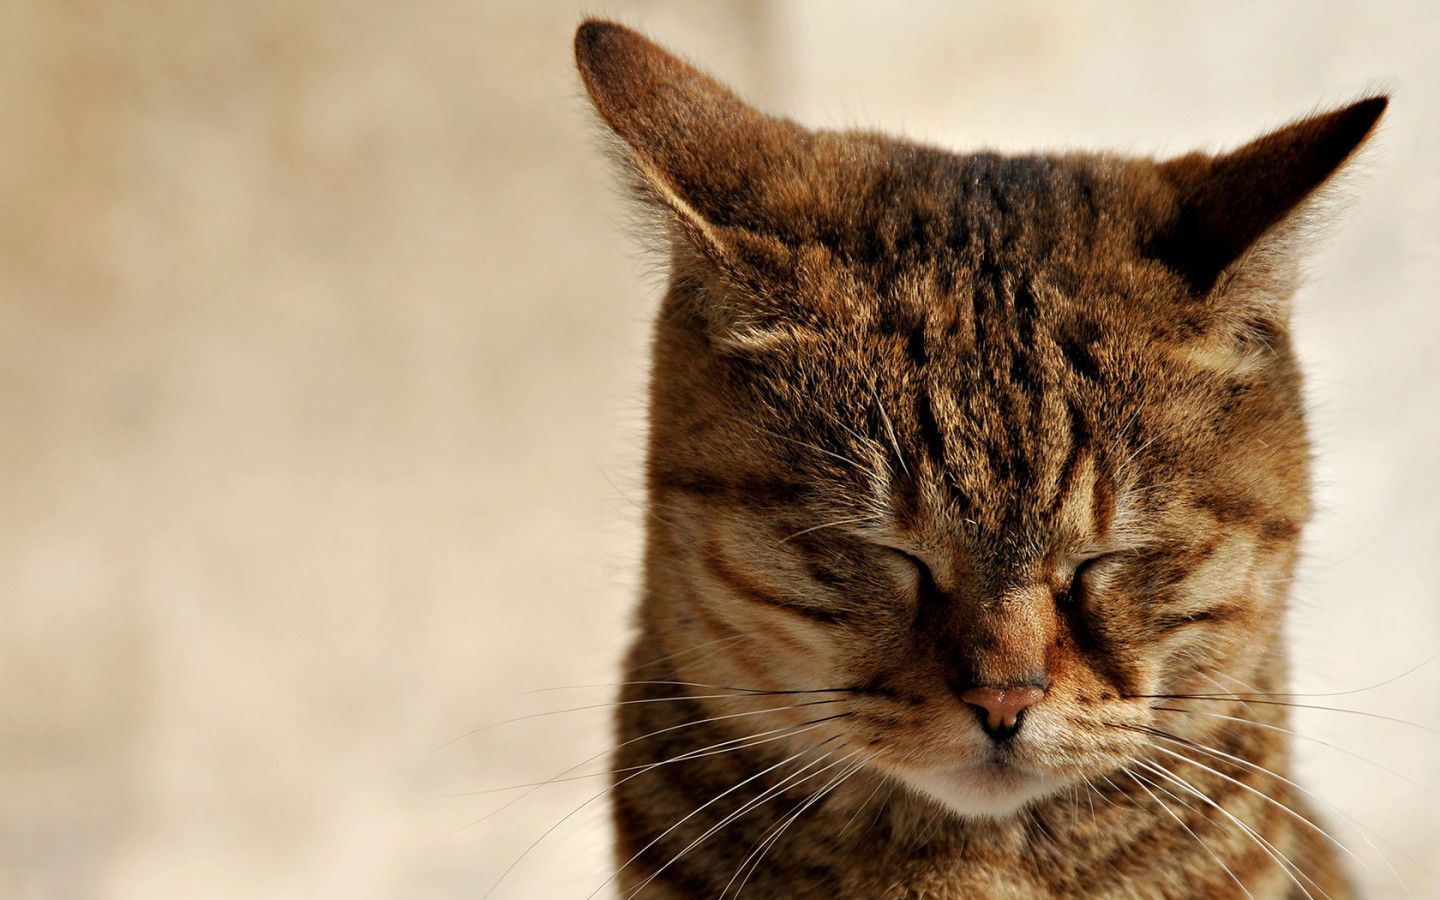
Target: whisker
{"points": [[1274, 803], [1029, 844], [889, 427], [1181, 823], [1354, 821], [1090, 794], [619, 684], [880, 808], [697, 660], [658, 838], [862, 440], [648, 508], [732, 692], [560, 778], [752, 804], [768, 840], [700, 684], [1215, 681], [1123, 469], [724, 642], [1122, 433], [786, 732], [879, 783], [1270, 850], [1379, 684], [1154, 732], [804, 531], [1246, 698], [1351, 753], [816, 447]]}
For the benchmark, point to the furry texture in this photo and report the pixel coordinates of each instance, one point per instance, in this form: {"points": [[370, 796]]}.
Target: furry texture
{"points": [[926, 423]]}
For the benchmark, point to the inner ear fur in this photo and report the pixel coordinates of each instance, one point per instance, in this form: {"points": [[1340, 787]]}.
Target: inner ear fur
{"points": [[1227, 205], [721, 182], [703, 154], [1237, 224]]}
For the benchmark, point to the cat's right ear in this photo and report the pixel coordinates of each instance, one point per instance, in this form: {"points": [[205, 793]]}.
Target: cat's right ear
{"points": [[1227, 205], [695, 150]]}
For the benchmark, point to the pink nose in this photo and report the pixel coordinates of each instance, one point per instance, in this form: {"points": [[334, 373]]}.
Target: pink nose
{"points": [[1002, 706]]}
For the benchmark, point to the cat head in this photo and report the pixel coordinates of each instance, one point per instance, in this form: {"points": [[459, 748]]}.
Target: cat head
{"points": [[1000, 447]]}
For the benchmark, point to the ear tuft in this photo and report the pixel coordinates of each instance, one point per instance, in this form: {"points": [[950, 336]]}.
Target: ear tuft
{"points": [[1225, 204]]}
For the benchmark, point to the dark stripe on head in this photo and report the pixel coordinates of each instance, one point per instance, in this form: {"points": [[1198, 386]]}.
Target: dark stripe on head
{"points": [[929, 429], [1077, 349], [1025, 311], [1102, 502], [1079, 437], [915, 348]]}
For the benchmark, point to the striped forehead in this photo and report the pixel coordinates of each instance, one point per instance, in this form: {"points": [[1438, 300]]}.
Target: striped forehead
{"points": [[1002, 414]]}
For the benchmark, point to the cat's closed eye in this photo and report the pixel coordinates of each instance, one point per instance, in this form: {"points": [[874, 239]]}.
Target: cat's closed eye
{"points": [[914, 572], [1083, 575]]}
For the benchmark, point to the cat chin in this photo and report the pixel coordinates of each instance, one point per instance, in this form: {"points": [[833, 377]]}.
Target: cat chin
{"points": [[985, 790]]}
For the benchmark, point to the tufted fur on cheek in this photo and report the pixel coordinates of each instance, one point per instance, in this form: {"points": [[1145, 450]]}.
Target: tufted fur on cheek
{"points": [[967, 473]]}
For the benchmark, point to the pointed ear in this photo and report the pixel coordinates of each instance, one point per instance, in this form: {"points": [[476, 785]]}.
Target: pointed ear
{"points": [[696, 149], [1226, 204]]}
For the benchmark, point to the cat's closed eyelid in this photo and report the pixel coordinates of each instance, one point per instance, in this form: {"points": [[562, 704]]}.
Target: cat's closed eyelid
{"points": [[1085, 573], [914, 571], [1083, 561], [903, 551], [1088, 565], [920, 564]]}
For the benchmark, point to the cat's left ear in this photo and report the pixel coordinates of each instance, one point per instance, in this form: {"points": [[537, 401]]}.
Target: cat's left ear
{"points": [[1227, 207], [710, 162]]}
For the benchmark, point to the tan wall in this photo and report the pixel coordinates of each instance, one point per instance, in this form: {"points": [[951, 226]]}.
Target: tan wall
{"points": [[321, 351]]}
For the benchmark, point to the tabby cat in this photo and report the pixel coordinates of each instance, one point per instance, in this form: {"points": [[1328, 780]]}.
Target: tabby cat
{"points": [[975, 486]]}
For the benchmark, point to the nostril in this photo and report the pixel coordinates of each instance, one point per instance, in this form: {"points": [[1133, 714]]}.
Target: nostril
{"points": [[1000, 709], [1002, 731]]}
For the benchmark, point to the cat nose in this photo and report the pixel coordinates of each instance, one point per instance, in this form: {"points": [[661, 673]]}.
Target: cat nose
{"points": [[999, 709]]}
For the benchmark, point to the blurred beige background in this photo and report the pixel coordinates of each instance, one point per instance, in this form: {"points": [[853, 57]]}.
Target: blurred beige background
{"points": [[323, 349]]}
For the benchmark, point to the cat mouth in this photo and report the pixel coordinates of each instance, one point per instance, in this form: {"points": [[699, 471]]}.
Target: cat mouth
{"points": [[992, 788]]}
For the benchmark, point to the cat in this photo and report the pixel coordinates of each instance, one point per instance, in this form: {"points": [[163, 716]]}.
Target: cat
{"points": [[975, 485]]}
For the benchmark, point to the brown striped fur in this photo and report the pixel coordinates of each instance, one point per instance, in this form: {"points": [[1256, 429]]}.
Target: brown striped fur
{"points": [[924, 421]]}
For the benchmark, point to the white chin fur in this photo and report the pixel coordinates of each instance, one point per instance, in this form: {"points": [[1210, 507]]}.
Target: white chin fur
{"points": [[983, 791]]}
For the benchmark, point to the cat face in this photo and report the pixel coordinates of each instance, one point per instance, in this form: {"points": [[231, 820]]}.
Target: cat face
{"points": [[1017, 476], [987, 454]]}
